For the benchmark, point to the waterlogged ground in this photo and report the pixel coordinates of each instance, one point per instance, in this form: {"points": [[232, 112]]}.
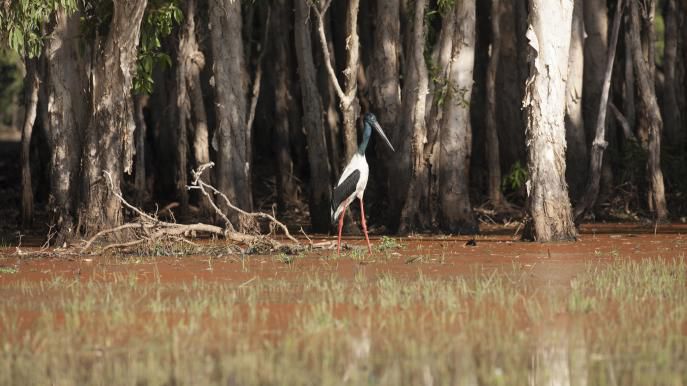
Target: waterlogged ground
{"points": [[610, 309]]}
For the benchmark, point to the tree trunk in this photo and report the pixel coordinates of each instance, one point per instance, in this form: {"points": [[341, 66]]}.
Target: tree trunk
{"points": [[674, 132], [66, 84], [492, 137], [32, 84], [328, 96], [384, 74], [415, 213], [599, 145], [140, 186], [648, 113], [510, 80], [192, 60], [576, 156], [185, 71], [456, 133], [595, 49], [281, 74], [233, 165], [320, 188], [110, 136], [348, 101], [351, 108], [629, 78], [548, 202]]}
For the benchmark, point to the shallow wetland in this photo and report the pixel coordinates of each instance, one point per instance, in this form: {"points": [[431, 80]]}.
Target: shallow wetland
{"points": [[610, 309]]}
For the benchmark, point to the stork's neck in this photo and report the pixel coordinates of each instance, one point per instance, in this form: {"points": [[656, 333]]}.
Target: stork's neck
{"points": [[366, 138]]}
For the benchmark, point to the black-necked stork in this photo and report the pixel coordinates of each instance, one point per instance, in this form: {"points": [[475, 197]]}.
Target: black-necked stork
{"points": [[353, 180]]}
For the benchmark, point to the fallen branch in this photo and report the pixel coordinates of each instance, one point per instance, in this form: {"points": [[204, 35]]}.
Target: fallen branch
{"points": [[148, 228], [198, 183]]}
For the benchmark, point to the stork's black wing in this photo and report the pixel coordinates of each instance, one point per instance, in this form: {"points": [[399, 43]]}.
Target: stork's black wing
{"points": [[344, 190]]}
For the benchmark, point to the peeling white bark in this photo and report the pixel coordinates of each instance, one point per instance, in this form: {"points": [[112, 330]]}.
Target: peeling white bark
{"points": [[549, 43]]}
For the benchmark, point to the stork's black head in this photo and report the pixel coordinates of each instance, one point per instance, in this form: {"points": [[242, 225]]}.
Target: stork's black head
{"points": [[371, 120]]}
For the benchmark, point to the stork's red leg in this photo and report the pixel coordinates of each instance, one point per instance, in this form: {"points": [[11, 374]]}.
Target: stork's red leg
{"points": [[341, 218], [362, 215]]}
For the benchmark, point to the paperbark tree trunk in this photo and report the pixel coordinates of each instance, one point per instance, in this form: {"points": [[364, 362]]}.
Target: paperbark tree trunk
{"points": [[456, 214], [674, 131], [351, 109], [548, 202], [320, 188], [576, 138], [66, 85], [415, 213], [190, 99], [510, 80], [595, 49], [599, 145], [32, 85], [648, 114], [492, 138], [348, 101], [384, 75], [281, 75], [110, 135], [140, 186], [233, 165]]}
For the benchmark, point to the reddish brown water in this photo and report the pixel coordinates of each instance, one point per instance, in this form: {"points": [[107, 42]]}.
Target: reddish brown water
{"points": [[550, 263]]}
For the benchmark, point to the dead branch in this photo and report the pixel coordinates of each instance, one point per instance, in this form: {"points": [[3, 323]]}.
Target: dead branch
{"points": [[152, 228], [198, 183], [624, 123], [320, 10]]}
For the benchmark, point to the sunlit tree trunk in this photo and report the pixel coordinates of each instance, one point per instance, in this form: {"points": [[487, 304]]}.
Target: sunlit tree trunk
{"points": [[233, 165], [415, 213], [455, 146], [66, 85], [31, 87], [493, 154], [320, 188], [548, 202], [384, 71], [191, 62], [110, 135], [649, 119]]}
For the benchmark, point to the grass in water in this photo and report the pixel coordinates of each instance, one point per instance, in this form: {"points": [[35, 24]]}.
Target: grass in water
{"points": [[618, 323]]}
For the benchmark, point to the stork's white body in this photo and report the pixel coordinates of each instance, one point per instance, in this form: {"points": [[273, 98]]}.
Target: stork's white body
{"points": [[358, 162], [353, 180]]}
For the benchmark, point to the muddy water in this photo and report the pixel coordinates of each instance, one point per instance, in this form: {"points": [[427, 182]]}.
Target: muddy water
{"points": [[550, 263], [560, 351]]}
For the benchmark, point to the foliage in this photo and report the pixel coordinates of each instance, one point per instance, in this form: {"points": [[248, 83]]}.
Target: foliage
{"points": [[516, 177], [10, 83], [161, 16], [386, 243], [21, 23], [158, 22]]}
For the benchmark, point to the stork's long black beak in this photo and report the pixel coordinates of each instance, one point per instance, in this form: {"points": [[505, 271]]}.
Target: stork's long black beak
{"points": [[381, 133]]}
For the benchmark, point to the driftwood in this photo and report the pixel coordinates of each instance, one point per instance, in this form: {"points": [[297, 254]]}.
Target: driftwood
{"points": [[149, 228]]}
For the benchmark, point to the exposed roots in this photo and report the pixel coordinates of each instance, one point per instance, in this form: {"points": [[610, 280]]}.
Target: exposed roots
{"points": [[149, 229]]}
